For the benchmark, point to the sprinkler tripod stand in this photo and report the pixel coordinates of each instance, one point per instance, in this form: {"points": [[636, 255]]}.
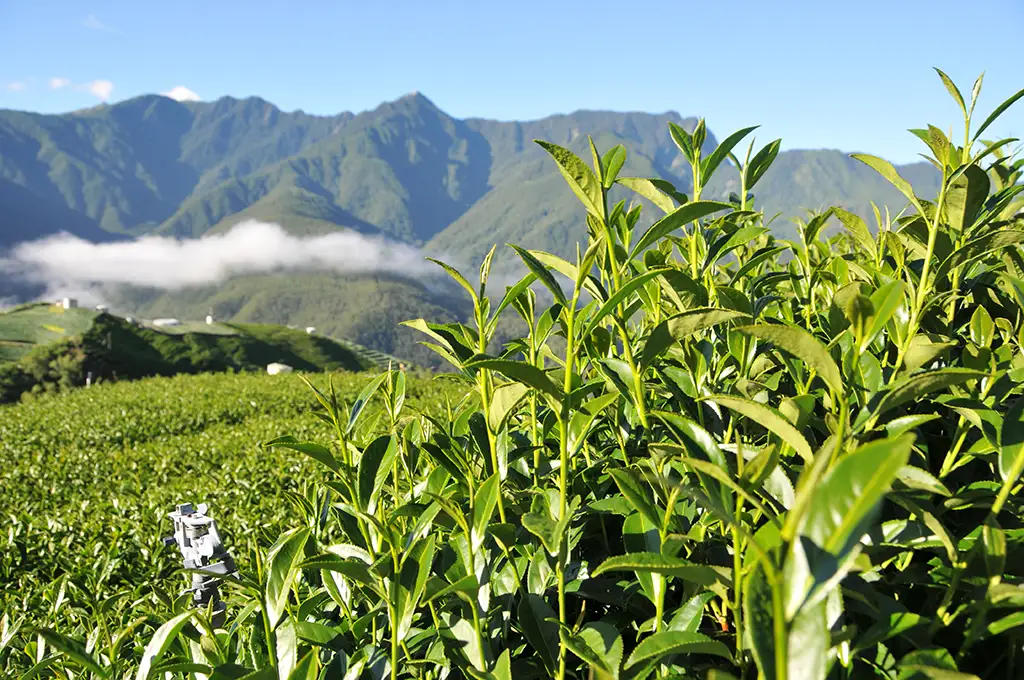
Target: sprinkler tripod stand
{"points": [[197, 538]]}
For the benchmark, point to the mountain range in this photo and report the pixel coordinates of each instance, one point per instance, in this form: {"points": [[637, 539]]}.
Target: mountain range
{"points": [[405, 170]]}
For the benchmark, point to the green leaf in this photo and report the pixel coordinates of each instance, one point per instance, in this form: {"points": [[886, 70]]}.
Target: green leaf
{"points": [[684, 140], [77, 652], [769, 418], [282, 558], [966, 196], [842, 507], [979, 247], [803, 346], [711, 163], [542, 273], [808, 644], [317, 452], [891, 626], [654, 190], [1011, 443], [364, 397], [411, 582], [656, 563], [520, 372], [886, 170], [637, 495], [761, 161], [458, 278], [688, 617], [159, 643], [503, 402], [613, 302], [953, 91], [667, 642], [920, 384], [611, 163], [916, 478], [483, 507], [1006, 623], [599, 645], [684, 214], [374, 467], [544, 527], [886, 301], [678, 327], [998, 112], [580, 178], [539, 624], [760, 621], [307, 668], [858, 229]]}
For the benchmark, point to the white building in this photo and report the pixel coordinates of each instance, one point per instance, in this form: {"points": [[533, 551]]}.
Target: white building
{"points": [[209, 319], [275, 368], [166, 322], [69, 303], [310, 329]]}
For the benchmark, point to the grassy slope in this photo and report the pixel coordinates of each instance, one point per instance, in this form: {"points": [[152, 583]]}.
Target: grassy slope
{"points": [[366, 310], [135, 350]]}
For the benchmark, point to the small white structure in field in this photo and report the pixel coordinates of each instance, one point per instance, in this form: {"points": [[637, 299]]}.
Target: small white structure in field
{"points": [[275, 368], [310, 330], [69, 303], [101, 308], [166, 322], [209, 319]]}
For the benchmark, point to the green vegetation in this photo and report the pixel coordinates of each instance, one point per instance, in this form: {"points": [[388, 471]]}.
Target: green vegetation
{"points": [[711, 453], [111, 348], [89, 476]]}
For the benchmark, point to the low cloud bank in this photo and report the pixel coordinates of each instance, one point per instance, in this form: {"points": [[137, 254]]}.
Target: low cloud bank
{"points": [[248, 248]]}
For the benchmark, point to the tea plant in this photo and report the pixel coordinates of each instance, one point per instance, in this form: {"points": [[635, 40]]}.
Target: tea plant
{"points": [[712, 454]]}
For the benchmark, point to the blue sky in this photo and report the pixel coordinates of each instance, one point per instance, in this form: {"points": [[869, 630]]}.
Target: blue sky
{"points": [[852, 75]]}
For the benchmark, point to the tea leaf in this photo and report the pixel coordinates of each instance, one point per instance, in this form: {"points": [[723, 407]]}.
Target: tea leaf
{"points": [[1011, 443], [996, 113], [711, 163], [542, 274], [77, 652], [681, 326], [579, 177], [539, 624], [768, 418], [802, 345], [599, 645], [161, 642], [886, 170], [656, 563], [668, 642], [317, 452], [658, 192], [916, 386], [282, 559], [684, 214], [520, 372]]}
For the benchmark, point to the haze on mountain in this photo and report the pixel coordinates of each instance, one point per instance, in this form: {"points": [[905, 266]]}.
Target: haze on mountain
{"points": [[405, 171]]}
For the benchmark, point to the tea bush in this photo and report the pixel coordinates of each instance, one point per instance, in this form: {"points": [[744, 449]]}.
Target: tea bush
{"points": [[713, 454]]}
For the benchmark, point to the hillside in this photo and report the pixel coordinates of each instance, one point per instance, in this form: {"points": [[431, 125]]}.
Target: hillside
{"points": [[406, 170], [35, 350]]}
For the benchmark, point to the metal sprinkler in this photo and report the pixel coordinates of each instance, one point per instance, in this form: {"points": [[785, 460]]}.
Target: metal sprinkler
{"points": [[197, 537]]}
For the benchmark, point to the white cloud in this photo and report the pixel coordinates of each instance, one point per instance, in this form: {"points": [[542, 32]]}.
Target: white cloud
{"points": [[181, 94], [93, 23], [100, 89], [58, 83], [248, 248], [16, 86]]}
